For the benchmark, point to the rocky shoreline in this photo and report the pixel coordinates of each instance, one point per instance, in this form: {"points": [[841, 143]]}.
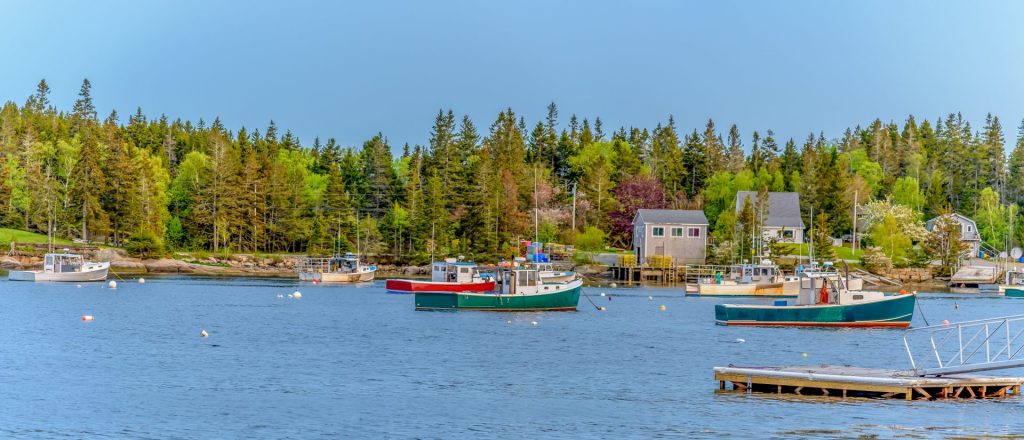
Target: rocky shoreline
{"points": [[234, 265]]}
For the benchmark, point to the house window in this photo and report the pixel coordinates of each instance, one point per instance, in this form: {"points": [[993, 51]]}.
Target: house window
{"points": [[658, 231], [677, 232], [788, 234], [693, 232]]}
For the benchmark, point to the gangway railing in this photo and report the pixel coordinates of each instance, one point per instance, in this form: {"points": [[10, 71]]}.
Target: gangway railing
{"points": [[877, 280], [966, 347]]}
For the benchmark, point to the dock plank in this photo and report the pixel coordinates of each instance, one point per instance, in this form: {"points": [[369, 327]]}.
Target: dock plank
{"points": [[870, 382]]}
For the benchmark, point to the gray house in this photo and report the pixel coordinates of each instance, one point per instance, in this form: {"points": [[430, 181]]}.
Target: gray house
{"points": [[968, 232], [681, 234], [782, 221]]}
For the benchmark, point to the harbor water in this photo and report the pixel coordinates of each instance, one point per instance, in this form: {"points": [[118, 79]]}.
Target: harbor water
{"points": [[357, 362]]}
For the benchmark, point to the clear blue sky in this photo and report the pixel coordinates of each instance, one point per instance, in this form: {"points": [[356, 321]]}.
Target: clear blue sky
{"points": [[349, 70]]}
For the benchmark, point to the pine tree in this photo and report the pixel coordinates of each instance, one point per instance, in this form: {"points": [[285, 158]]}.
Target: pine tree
{"points": [[84, 111], [94, 220], [736, 161]]}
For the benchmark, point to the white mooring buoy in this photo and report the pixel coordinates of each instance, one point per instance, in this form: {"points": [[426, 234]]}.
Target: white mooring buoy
{"points": [[203, 333], [297, 295], [112, 284], [142, 281]]}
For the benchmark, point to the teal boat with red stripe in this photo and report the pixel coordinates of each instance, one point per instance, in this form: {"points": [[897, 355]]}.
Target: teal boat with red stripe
{"points": [[824, 301]]}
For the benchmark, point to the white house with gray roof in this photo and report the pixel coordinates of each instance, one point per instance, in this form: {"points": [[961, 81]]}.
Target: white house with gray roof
{"points": [[968, 231], [681, 234], [782, 221]]}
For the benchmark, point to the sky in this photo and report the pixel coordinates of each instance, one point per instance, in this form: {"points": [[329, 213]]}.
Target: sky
{"points": [[349, 70]]}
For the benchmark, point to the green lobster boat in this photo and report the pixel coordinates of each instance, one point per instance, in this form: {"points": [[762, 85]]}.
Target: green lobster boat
{"points": [[824, 301], [1011, 292], [515, 290]]}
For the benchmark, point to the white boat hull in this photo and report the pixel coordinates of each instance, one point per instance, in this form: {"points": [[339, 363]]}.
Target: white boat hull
{"points": [[332, 277], [99, 273]]}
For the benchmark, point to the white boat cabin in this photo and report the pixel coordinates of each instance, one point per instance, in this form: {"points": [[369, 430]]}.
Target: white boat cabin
{"points": [[518, 281], [828, 286], [63, 263], [453, 272]]}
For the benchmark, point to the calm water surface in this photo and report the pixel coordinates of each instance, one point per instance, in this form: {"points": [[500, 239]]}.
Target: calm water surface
{"points": [[358, 362]]}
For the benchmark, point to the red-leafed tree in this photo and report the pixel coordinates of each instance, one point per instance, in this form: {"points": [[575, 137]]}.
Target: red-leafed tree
{"points": [[637, 192]]}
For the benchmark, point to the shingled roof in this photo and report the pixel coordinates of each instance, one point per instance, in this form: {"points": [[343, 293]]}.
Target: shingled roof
{"points": [[783, 208], [671, 216]]}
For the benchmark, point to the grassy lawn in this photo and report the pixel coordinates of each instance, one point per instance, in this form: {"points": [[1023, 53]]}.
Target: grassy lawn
{"points": [[6, 235], [843, 252]]}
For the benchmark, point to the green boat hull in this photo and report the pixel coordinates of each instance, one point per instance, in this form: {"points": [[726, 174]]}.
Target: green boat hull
{"points": [[558, 300], [1014, 293], [894, 311]]}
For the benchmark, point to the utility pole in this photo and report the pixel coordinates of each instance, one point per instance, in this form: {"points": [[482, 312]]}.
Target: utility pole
{"points": [[573, 208]]}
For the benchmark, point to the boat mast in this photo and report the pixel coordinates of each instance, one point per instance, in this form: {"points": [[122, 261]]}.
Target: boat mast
{"points": [[810, 249]]}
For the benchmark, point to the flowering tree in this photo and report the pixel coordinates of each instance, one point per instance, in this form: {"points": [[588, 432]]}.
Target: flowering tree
{"points": [[637, 192]]}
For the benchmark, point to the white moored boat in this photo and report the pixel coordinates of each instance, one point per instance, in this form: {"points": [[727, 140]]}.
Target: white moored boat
{"points": [[343, 269], [746, 280], [548, 273], [63, 267]]}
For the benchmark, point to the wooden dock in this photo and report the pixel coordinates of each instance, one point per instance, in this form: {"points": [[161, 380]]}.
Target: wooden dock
{"points": [[972, 276], [839, 381]]}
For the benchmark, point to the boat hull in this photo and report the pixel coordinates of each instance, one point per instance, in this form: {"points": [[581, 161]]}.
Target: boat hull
{"points": [[1014, 293], [893, 311], [560, 298], [38, 275], [790, 289], [413, 286], [331, 277]]}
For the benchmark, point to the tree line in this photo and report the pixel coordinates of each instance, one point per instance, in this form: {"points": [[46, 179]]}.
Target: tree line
{"points": [[157, 185]]}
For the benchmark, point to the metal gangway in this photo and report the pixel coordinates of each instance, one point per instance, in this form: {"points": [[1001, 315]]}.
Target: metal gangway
{"points": [[966, 347]]}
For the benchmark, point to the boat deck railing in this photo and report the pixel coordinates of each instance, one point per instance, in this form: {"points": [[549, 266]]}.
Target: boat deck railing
{"points": [[966, 347]]}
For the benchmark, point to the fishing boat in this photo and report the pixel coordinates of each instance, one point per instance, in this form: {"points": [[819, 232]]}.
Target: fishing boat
{"points": [[516, 289], [824, 301], [64, 267], [447, 276], [763, 280], [1013, 283], [549, 274], [337, 269]]}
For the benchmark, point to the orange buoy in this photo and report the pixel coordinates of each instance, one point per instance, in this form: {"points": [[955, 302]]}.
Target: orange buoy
{"points": [[87, 318], [945, 322], [903, 292]]}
